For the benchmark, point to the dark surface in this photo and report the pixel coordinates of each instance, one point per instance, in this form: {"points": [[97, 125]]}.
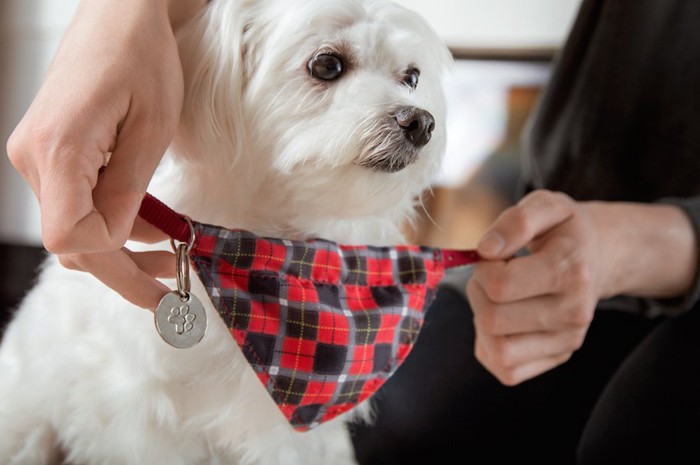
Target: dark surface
{"points": [[660, 423], [19, 264]]}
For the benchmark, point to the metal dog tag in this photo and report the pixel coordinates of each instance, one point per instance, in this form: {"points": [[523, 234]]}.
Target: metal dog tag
{"points": [[180, 319]]}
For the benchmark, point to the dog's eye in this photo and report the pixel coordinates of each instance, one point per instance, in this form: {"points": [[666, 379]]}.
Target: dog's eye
{"points": [[326, 67], [410, 78]]}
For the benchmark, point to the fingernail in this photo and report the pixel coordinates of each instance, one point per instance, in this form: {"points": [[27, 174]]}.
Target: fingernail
{"points": [[492, 243]]}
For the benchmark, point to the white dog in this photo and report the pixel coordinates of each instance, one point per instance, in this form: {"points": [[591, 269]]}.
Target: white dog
{"points": [[302, 118]]}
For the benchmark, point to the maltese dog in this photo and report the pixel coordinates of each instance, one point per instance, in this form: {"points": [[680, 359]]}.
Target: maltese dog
{"points": [[302, 119]]}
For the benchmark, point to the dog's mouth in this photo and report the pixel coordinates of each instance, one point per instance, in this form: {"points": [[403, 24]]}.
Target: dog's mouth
{"points": [[390, 161], [397, 140]]}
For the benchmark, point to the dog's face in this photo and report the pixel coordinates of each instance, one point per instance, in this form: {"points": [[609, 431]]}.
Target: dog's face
{"points": [[342, 97]]}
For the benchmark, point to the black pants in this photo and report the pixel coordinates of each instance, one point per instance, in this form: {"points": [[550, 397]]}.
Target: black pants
{"points": [[631, 394]]}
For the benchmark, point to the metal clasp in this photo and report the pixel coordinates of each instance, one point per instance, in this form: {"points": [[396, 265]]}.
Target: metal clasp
{"points": [[182, 269]]}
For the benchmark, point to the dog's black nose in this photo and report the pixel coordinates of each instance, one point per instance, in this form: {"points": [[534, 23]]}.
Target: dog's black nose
{"points": [[417, 124]]}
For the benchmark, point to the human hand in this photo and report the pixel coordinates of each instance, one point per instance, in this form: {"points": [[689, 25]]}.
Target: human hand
{"points": [[532, 312], [114, 91]]}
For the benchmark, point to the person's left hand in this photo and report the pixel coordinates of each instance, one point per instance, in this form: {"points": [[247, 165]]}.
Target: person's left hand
{"points": [[532, 312]]}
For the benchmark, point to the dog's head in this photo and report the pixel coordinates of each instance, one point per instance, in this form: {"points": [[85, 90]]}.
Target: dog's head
{"points": [[339, 99]]}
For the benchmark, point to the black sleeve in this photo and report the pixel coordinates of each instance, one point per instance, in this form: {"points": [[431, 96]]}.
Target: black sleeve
{"points": [[617, 121]]}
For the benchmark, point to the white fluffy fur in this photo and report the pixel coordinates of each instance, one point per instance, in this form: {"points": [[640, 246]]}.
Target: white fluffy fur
{"points": [[262, 146]]}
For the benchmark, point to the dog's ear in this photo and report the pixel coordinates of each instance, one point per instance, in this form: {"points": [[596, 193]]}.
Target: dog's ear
{"points": [[216, 63]]}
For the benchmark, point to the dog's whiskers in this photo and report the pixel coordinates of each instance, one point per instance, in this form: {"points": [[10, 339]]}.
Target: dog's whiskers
{"points": [[385, 147]]}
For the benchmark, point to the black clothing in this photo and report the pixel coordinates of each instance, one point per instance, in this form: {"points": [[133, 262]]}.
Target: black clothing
{"points": [[442, 400], [619, 119]]}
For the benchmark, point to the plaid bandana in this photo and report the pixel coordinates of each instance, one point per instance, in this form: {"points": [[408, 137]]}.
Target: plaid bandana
{"points": [[323, 325]]}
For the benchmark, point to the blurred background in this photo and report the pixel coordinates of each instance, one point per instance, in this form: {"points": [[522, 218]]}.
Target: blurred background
{"points": [[504, 49]]}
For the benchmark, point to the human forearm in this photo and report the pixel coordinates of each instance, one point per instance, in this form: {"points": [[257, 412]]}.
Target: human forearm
{"points": [[176, 12], [650, 250]]}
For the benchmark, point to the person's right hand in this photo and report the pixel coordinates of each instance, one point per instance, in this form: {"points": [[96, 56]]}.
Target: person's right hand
{"points": [[113, 92]]}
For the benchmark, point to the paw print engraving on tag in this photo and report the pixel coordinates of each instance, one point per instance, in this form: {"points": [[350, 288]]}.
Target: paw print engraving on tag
{"points": [[181, 318], [181, 322]]}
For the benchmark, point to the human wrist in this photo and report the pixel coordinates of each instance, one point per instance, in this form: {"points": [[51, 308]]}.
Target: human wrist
{"points": [[647, 250]]}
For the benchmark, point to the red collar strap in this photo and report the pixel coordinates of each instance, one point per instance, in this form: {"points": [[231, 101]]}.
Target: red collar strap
{"points": [[176, 226]]}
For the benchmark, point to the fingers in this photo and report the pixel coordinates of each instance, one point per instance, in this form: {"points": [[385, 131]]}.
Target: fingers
{"points": [[130, 274], [62, 168], [122, 185], [516, 373], [84, 212], [532, 312], [62, 173], [95, 231], [518, 225], [557, 268], [520, 340], [143, 231], [158, 264], [548, 313]]}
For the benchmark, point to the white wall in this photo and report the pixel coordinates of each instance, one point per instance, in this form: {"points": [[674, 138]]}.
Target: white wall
{"points": [[30, 31], [498, 23]]}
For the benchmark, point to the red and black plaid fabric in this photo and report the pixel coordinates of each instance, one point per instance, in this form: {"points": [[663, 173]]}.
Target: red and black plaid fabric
{"points": [[324, 325]]}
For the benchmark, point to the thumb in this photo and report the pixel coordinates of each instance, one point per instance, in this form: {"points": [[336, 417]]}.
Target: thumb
{"points": [[517, 226], [122, 185]]}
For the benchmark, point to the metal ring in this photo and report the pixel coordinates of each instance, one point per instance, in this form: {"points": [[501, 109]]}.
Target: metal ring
{"points": [[183, 271], [190, 243]]}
